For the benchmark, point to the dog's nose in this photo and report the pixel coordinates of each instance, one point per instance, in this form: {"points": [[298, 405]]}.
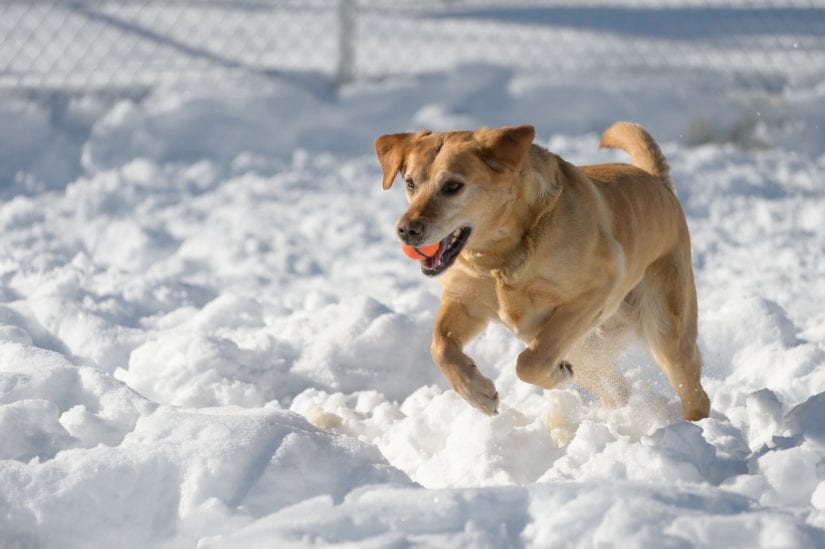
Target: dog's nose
{"points": [[410, 230]]}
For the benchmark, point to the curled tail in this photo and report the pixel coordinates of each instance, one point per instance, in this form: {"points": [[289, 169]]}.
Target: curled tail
{"points": [[644, 151]]}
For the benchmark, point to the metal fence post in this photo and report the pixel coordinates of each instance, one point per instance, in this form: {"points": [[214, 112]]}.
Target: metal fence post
{"points": [[347, 12]]}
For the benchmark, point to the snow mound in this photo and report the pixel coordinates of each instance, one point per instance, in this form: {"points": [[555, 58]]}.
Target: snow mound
{"points": [[87, 454], [208, 336]]}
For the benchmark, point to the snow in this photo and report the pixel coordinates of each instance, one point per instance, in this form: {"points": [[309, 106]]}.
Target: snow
{"points": [[209, 336]]}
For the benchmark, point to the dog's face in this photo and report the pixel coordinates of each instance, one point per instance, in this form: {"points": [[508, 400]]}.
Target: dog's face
{"points": [[458, 185]]}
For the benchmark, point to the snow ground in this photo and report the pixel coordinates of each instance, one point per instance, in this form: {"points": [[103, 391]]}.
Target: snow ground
{"points": [[208, 336]]}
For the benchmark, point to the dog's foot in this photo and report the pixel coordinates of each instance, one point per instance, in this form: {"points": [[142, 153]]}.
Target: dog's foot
{"points": [[535, 369], [478, 391], [325, 421], [562, 417], [697, 407]]}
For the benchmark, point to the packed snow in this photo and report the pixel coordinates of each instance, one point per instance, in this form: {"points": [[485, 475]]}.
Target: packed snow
{"points": [[210, 338]]}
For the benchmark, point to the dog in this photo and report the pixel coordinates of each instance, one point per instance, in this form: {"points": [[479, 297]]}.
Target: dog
{"points": [[573, 260]]}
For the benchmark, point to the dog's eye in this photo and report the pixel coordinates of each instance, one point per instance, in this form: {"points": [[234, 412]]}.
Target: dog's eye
{"points": [[452, 187], [410, 184]]}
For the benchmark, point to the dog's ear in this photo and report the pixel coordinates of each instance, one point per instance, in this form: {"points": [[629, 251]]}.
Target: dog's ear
{"points": [[391, 151], [505, 148]]}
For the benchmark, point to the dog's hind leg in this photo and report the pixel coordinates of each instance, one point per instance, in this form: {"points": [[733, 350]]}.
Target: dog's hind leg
{"points": [[593, 363], [667, 322]]}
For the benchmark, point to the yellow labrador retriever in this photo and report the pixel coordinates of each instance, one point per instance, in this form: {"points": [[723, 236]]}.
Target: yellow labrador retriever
{"points": [[571, 259]]}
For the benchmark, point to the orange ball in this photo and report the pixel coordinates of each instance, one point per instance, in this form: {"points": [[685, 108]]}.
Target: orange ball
{"points": [[420, 253]]}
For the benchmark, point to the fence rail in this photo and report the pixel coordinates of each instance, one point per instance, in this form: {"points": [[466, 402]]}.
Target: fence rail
{"points": [[123, 43]]}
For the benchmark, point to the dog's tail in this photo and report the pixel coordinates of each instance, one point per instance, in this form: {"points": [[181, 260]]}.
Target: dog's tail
{"points": [[644, 151]]}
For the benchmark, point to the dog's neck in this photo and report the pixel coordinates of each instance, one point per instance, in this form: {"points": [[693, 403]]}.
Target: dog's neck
{"points": [[508, 249]]}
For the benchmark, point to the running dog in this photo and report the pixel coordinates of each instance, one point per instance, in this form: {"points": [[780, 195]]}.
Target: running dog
{"points": [[573, 260]]}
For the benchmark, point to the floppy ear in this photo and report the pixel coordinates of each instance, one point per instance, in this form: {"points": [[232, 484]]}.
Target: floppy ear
{"points": [[391, 151], [505, 148]]}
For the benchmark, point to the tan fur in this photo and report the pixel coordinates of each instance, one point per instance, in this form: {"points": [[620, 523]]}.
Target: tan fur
{"points": [[572, 260], [644, 151]]}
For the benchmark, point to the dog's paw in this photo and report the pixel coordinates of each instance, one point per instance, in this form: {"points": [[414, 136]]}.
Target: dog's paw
{"points": [[478, 391], [534, 368], [562, 373], [562, 417]]}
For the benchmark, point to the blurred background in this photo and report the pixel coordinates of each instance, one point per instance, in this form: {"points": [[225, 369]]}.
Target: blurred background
{"points": [[747, 72], [761, 61], [88, 44]]}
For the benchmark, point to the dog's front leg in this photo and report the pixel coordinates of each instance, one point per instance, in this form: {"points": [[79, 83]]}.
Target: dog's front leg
{"points": [[455, 327], [542, 362]]}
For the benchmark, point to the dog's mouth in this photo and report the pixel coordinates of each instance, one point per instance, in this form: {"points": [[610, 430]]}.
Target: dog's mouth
{"points": [[448, 250]]}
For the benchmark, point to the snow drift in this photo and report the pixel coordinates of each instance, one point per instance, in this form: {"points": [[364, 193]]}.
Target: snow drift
{"points": [[208, 336]]}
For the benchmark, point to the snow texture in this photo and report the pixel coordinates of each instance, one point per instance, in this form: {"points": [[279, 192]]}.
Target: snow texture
{"points": [[209, 337]]}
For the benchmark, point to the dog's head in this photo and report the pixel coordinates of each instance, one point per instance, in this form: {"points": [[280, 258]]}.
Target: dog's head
{"points": [[458, 185]]}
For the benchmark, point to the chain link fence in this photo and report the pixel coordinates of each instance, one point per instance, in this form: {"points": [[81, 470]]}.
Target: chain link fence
{"points": [[105, 44]]}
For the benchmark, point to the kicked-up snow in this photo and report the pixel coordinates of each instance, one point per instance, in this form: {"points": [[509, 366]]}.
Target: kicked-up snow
{"points": [[209, 337]]}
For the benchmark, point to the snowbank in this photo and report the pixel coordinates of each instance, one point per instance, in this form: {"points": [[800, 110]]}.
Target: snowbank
{"points": [[209, 337]]}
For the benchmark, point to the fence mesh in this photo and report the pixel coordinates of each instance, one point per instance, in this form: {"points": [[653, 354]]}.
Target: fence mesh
{"points": [[123, 43]]}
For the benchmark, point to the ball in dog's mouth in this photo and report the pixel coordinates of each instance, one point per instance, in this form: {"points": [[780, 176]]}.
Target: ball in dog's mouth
{"points": [[448, 250]]}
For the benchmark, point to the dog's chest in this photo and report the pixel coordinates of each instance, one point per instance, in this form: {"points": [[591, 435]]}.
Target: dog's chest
{"points": [[523, 308]]}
